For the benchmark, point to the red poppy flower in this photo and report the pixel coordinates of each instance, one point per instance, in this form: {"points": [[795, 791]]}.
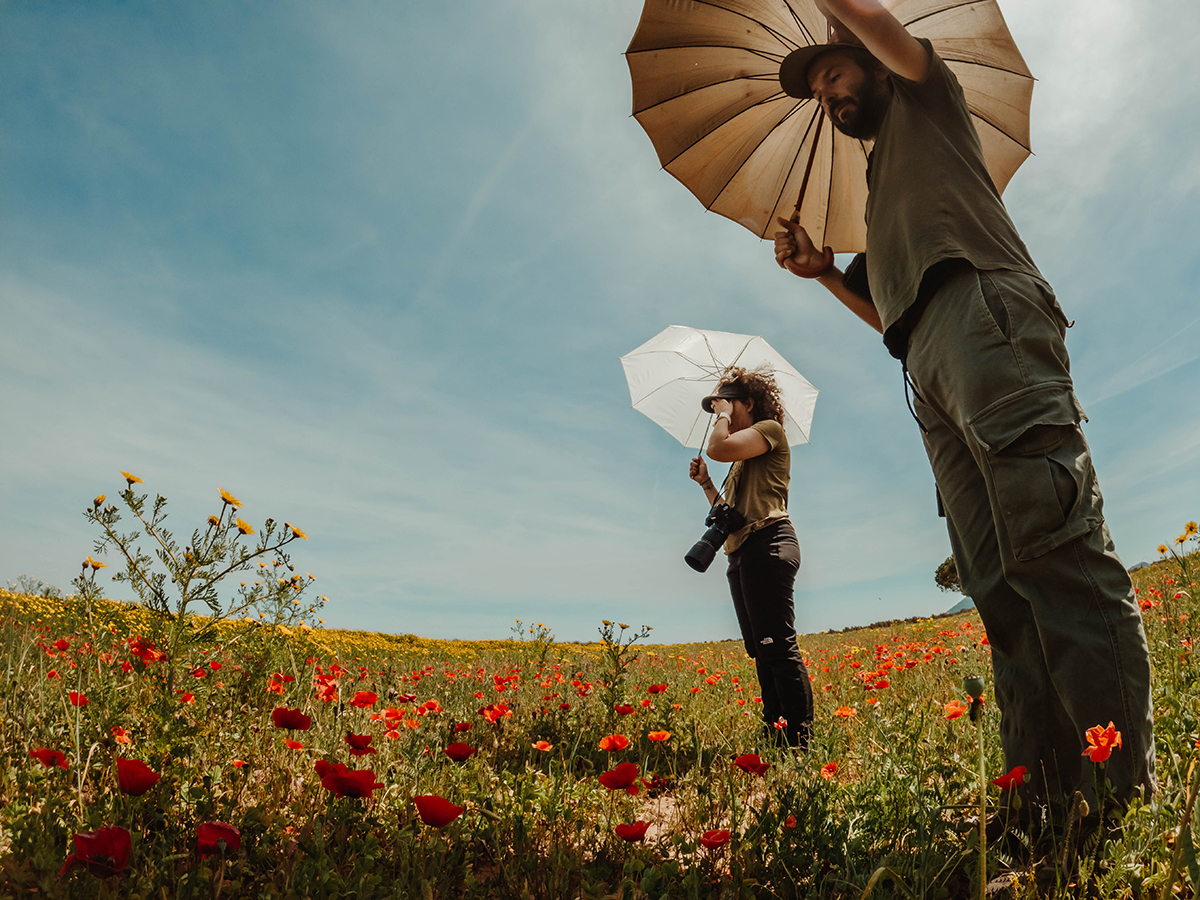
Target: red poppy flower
{"points": [[364, 699], [659, 735], [829, 769], [543, 745], [239, 763], [346, 783], [634, 831], [1101, 742], [750, 762], [146, 651], [103, 852], [62, 644], [458, 752], [622, 778], [790, 823], [360, 744], [49, 758], [135, 777], [656, 688], [291, 719], [186, 696], [77, 699], [293, 745], [460, 727], [1013, 779], [210, 835], [614, 742], [494, 712], [436, 811], [714, 839], [121, 735], [623, 709]]}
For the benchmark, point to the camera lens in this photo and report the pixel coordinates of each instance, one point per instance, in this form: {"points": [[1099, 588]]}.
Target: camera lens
{"points": [[701, 555]]}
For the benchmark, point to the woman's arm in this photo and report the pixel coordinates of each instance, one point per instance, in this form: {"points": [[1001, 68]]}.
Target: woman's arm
{"points": [[725, 447], [699, 474]]}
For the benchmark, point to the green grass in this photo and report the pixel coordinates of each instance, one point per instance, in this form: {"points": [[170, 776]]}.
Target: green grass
{"points": [[536, 822]]}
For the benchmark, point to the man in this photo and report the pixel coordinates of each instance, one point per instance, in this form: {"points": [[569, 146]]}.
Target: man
{"points": [[958, 299]]}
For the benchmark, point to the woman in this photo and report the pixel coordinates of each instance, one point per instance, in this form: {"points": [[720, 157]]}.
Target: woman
{"points": [[764, 555]]}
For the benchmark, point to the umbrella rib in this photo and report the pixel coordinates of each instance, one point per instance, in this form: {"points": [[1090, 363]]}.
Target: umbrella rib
{"points": [[771, 99], [812, 38], [1002, 131], [734, 174], [988, 66], [947, 7], [795, 159], [763, 25]]}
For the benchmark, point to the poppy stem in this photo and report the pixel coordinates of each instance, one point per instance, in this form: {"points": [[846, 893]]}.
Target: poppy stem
{"points": [[982, 812]]}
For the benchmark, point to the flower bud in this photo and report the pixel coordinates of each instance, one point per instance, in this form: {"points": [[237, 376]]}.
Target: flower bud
{"points": [[973, 685]]}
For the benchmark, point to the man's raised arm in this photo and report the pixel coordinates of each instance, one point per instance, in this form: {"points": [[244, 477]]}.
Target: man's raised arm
{"points": [[794, 251], [880, 32]]}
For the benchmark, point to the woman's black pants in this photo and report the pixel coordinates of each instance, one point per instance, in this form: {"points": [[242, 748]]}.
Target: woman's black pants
{"points": [[762, 573]]}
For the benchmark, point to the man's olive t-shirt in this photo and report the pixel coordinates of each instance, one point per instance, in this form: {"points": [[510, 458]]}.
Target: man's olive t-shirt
{"points": [[930, 197], [758, 487]]}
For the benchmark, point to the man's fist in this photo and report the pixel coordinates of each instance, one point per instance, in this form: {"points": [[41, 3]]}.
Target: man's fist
{"points": [[795, 251]]}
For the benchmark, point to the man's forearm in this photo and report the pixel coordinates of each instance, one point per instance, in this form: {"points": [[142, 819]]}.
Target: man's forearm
{"points": [[856, 303]]}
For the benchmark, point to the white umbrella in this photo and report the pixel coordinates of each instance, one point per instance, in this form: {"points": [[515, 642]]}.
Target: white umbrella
{"points": [[670, 374]]}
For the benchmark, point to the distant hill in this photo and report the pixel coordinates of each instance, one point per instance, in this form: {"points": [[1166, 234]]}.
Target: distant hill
{"points": [[961, 606]]}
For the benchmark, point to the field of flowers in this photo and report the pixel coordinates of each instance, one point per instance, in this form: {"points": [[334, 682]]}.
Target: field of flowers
{"points": [[291, 761]]}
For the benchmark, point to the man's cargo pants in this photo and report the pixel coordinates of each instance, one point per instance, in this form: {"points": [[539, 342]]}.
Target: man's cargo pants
{"points": [[1014, 474]]}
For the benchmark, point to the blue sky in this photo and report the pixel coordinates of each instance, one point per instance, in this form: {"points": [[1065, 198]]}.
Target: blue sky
{"points": [[371, 268]]}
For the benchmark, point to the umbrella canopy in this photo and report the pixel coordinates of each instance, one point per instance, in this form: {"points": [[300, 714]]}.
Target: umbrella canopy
{"points": [[673, 371], [706, 89]]}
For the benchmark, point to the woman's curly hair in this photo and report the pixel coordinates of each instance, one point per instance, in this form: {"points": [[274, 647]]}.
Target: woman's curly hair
{"points": [[760, 386]]}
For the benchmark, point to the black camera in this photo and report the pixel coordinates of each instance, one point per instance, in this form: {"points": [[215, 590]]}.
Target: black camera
{"points": [[722, 520]]}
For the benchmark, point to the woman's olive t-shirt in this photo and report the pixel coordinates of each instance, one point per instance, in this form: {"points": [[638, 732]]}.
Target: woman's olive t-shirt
{"points": [[758, 487]]}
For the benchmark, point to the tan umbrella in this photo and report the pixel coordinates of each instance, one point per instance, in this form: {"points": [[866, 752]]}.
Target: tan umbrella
{"points": [[706, 89]]}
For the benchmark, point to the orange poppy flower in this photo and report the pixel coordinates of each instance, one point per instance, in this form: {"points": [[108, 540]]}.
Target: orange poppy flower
{"points": [[955, 709], [829, 770], [543, 745], [845, 712], [1101, 742], [614, 742], [659, 735]]}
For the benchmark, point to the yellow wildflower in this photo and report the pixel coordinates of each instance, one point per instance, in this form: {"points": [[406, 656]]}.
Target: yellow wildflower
{"points": [[1163, 549], [94, 564], [229, 498], [296, 531], [1181, 539], [244, 528], [98, 501], [213, 521], [1191, 528], [132, 479]]}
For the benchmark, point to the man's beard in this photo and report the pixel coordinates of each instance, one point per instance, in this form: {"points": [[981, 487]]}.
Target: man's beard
{"points": [[870, 106]]}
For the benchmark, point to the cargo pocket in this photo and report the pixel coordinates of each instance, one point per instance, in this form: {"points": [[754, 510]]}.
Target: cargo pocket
{"points": [[1041, 468]]}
